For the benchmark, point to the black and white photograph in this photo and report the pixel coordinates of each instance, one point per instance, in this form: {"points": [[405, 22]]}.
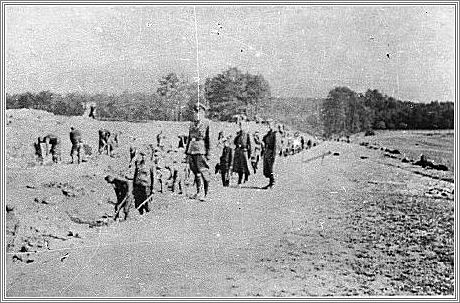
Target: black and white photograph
{"points": [[243, 151]]}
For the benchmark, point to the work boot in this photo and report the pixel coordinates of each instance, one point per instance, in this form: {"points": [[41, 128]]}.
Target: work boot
{"points": [[240, 178], [198, 196]]}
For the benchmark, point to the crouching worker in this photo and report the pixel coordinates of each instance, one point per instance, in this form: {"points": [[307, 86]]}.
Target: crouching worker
{"points": [[178, 168], [39, 150], [143, 183], [104, 136], [77, 145], [54, 142], [124, 198]]}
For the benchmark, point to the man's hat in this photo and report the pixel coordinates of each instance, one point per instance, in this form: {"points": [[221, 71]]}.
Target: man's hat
{"points": [[200, 105]]}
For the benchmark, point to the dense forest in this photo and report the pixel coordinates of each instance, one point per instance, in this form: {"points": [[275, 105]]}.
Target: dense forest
{"points": [[233, 92], [346, 112]]}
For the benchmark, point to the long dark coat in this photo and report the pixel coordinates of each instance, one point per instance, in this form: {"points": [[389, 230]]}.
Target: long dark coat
{"points": [[242, 153], [270, 149]]}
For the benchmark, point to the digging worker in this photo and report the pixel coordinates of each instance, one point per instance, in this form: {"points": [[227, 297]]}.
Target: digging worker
{"points": [[143, 183], [198, 150], [112, 143], [270, 141], [124, 198], [77, 144], [92, 111], [242, 154], [54, 142], [104, 136], [39, 150], [160, 140]]}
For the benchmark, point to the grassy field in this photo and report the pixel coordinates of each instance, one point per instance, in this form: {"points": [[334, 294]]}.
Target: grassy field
{"points": [[437, 145]]}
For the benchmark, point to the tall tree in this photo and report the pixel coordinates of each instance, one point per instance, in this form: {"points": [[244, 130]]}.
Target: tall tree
{"points": [[176, 93], [233, 92]]}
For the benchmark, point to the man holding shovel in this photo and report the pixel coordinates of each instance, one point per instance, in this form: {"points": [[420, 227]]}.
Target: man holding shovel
{"points": [[124, 198], [143, 182]]}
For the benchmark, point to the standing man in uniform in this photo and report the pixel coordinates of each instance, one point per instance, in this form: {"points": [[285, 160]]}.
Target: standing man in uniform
{"points": [[270, 141], [242, 154], [143, 183], [77, 144], [198, 150]]}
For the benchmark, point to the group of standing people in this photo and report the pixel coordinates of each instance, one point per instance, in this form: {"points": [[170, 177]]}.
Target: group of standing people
{"points": [[240, 155], [247, 154]]}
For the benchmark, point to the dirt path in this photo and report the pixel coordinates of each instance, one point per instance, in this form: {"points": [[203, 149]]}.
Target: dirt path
{"points": [[292, 240]]}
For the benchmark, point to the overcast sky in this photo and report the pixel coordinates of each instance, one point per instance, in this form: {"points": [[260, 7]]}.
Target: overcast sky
{"points": [[405, 52]]}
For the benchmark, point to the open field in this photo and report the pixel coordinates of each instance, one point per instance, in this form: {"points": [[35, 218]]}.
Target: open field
{"points": [[352, 224], [437, 145]]}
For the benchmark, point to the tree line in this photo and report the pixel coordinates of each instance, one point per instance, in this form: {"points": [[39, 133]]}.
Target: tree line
{"points": [[229, 93], [125, 106], [235, 92], [346, 112]]}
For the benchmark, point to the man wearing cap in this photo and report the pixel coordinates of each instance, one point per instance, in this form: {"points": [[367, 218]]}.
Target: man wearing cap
{"points": [[270, 146], [77, 144], [198, 149], [124, 198]]}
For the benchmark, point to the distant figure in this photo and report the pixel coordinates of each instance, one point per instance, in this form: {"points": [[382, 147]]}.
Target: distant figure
{"points": [[54, 142], [143, 182], [256, 153], [39, 150], [270, 141], [160, 140], [302, 142], [159, 167], [104, 136], [220, 137], [182, 141], [178, 171], [77, 144], [92, 111], [132, 155], [124, 198], [242, 154], [225, 164], [309, 143], [112, 143], [198, 150]]}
